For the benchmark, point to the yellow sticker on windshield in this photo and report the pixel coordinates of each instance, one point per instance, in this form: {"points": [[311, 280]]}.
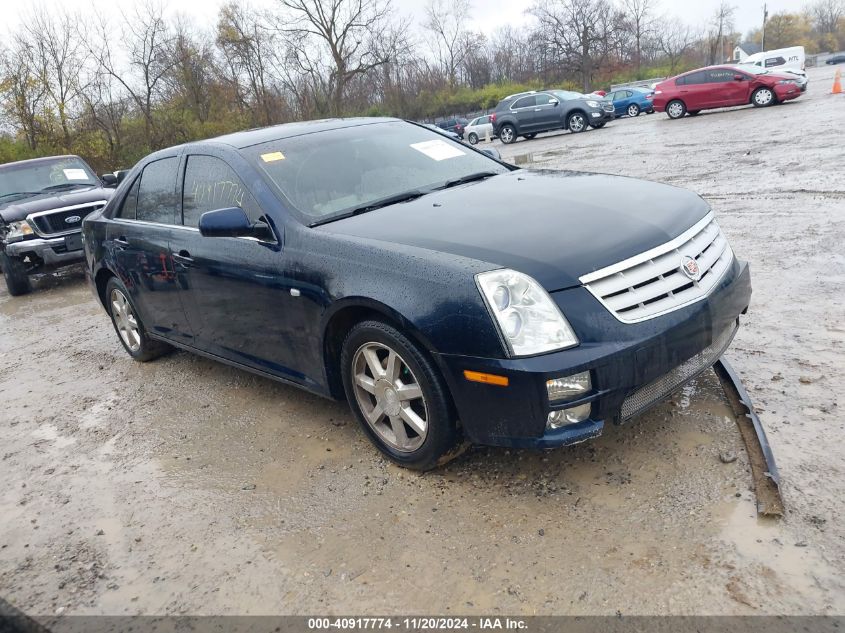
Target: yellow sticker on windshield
{"points": [[272, 157]]}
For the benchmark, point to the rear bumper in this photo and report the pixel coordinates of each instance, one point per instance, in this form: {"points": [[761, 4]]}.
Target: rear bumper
{"points": [[632, 366], [52, 252]]}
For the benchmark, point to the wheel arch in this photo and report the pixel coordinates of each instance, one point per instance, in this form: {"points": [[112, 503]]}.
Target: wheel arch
{"points": [[347, 313], [101, 280]]}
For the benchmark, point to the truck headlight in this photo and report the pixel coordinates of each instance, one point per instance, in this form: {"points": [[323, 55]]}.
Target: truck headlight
{"points": [[594, 104], [19, 229], [528, 319]]}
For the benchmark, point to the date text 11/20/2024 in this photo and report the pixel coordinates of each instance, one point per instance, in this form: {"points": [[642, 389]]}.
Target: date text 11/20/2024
{"points": [[417, 623]]}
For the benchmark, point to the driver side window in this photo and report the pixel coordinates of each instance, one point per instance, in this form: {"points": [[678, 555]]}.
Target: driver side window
{"points": [[210, 184]]}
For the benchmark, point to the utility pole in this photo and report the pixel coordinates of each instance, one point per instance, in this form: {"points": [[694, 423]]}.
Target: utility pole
{"points": [[765, 16]]}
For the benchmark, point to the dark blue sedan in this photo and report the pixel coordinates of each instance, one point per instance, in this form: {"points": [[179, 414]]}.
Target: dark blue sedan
{"points": [[631, 101], [448, 296]]}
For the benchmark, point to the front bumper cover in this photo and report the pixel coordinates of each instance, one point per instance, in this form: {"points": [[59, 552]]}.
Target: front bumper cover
{"points": [[53, 251], [624, 360]]}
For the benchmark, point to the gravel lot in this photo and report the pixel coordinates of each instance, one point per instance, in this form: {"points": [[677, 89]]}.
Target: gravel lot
{"points": [[184, 486]]}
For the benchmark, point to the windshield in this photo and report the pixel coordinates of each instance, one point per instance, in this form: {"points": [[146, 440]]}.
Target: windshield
{"points": [[566, 95], [27, 179], [752, 69], [330, 174]]}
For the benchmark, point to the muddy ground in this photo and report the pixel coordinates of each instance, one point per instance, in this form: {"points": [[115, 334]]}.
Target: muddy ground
{"points": [[184, 486]]}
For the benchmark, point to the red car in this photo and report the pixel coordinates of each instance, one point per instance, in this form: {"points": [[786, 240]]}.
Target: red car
{"points": [[723, 86]]}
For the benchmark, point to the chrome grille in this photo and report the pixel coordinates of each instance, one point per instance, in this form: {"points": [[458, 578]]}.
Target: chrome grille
{"points": [[658, 389], [63, 220], [655, 283]]}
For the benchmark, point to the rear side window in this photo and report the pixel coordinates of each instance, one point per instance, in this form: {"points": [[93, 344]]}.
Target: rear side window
{"points": [[482, 120], [211, 184], [695, 78], [157, 192], [130, 202]]}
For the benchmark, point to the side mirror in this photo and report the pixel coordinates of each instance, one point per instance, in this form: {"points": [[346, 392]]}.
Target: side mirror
{"points": [[121, 175], [554, 102], [109, 181], [232, 222], [493, 153]]}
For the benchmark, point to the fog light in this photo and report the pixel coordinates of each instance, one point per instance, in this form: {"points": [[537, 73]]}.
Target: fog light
{"points": [[568, 387], [562, 417]]}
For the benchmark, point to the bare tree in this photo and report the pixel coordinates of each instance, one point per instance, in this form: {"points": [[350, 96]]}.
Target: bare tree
{"points": [[452, 43], [148, 43], [826, 15], [22, 89], [347, 31], [675, 40], [60, 56], [721, 24], [639, 20]]}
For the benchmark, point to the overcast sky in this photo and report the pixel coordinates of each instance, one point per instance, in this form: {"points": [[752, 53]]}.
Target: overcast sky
{"points": [[487, 15]]}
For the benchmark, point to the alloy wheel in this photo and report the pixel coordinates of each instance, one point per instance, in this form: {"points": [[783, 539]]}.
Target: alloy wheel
{"points": [[633, 110], [125, 321], [507, 134], [390, 397], [676, 110], [577, 122]]}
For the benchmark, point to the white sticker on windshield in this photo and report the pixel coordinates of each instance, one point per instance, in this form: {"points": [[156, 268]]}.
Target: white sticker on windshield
{"points": [[437, 150], [75, 174]]}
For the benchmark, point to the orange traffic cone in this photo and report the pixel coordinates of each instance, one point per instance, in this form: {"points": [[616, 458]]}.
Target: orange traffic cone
{"points": [[837, 82]]}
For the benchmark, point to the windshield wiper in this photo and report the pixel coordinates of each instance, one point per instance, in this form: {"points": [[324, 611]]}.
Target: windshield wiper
{"points": [[471, 178], [377, 204], [19, 193], [67, 185]]}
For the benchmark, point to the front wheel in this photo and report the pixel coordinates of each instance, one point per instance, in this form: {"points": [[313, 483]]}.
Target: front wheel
{"points": [[472, 138], [633, 110], [507, 134], [131, 332], [576, 122], [397, 396], [763, 97], [676, 109], [14, 271]]}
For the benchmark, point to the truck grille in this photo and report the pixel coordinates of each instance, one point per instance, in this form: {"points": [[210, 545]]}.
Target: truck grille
{"points": [[656, 282], [658, 389], [63, 220]]}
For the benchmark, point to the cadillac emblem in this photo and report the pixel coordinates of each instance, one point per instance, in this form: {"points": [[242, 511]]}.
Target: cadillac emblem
{"points": [[690, 268]]}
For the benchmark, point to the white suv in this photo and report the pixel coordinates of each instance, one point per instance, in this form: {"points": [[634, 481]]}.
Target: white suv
{"points": [[479, 128]]}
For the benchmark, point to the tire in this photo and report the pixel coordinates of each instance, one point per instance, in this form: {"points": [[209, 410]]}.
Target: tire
{"points": [[530, 136], [14, 271], [577, 122], [416, 433], [676, 109], [507, 134], [763, 97], [694, 112], [633, 110], [124, 317], [472, 138]]}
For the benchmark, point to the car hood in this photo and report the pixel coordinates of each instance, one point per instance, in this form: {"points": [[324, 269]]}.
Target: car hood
{"points": [[19, 209], [555, 226]]}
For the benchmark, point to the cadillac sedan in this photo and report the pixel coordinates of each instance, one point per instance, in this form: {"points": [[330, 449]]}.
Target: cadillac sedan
{"points": [[448, 296]]}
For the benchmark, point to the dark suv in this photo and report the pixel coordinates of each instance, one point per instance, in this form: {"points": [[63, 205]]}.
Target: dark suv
{"points": [[454, 125], [527, 114], [42, 204]]}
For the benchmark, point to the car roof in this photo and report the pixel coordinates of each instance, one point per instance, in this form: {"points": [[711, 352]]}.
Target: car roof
{"points": [[35, 161], [257, 136]]}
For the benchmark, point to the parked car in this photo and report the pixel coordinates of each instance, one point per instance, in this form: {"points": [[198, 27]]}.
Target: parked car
{"points": [[548, 110], [631, 101], [479, 128], [780, 59], [452, 135], [42, 204], [835, 59], [723, 86], [444, 294], [454, 125]]}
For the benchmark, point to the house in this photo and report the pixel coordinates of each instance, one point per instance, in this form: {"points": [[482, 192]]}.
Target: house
{"points": [[744, 49]]}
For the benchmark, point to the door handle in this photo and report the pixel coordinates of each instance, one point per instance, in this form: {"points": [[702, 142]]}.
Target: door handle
{"points": [[538, 109], [184, 258], [121, 241]]}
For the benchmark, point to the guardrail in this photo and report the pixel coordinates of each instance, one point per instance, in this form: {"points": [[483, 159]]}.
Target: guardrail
{"points": [[642, 83]]}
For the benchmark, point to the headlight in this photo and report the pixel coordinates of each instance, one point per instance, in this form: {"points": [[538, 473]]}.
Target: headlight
{"points": [[594, 104], [788, 81], [528, 319], [19, 229]]}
